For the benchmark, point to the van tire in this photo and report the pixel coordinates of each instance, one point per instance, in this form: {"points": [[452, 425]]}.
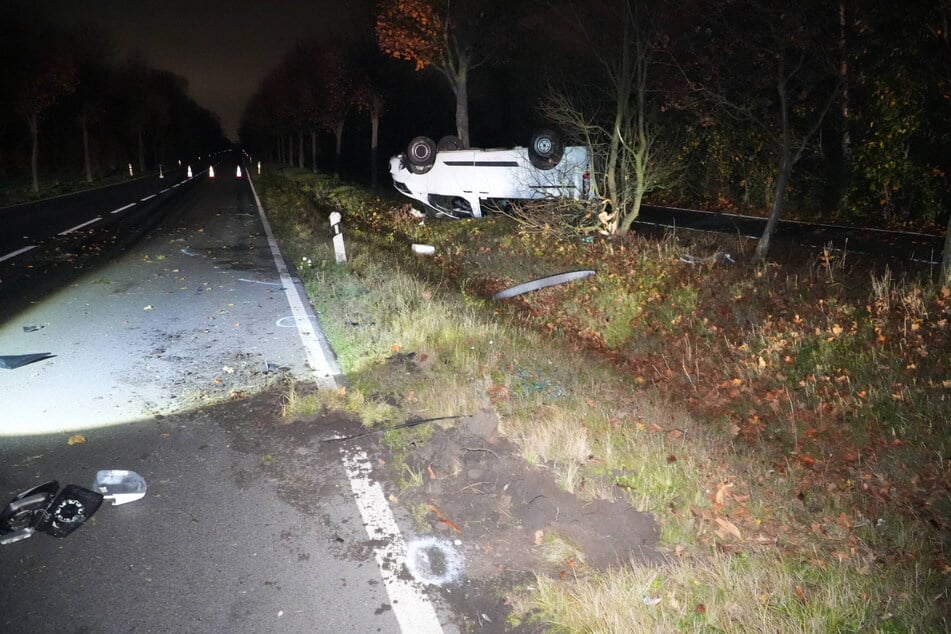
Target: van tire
{"points": [[545, 149], [421, 154]]}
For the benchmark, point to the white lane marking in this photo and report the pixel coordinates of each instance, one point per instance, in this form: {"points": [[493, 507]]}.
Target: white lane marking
{"points": [[142, 200], [162, 191], [115, 211], [80, 226], [316, 348], [412, 608], [13, 254]]}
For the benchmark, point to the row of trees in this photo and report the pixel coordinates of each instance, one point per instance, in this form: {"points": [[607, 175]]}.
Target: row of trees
{"points": [[837, 110], [69, 104]]}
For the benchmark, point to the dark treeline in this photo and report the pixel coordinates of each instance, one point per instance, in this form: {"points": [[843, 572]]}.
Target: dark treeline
{"points": [[71, 108], [836, 111]]}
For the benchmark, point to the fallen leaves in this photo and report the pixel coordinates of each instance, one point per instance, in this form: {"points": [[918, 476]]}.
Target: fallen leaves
{"points": [[443, 519], [727, 529], [76, 439]]}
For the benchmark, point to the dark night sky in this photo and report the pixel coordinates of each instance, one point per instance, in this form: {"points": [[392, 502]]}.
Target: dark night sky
{"points": [[222, 47]]}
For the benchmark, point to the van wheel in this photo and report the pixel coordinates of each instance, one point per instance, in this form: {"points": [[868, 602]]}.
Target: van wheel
{"points": [[421, 154], [449, 142], [545, 149]]}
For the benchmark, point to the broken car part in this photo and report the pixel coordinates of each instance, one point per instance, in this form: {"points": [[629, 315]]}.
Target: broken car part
{"points": [[544, 282]]}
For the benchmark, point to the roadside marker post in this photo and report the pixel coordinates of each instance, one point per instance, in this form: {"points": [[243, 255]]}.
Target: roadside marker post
{"points": [[237, 172], [339, 249], [130, 169], [189, 173], [259, 168], [211, 171], [160, 173]]}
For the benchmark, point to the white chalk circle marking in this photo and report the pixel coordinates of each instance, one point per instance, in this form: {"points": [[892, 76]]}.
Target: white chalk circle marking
{"points": [[287, 322], [434, 561]]}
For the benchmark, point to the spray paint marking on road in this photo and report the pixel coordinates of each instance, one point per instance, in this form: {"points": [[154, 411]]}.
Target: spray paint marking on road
{"points": [[13, 254], [412, 608], [80, 226]]}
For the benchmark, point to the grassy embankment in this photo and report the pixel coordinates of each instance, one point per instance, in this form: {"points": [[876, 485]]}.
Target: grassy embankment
{"points": [[787, 424]]}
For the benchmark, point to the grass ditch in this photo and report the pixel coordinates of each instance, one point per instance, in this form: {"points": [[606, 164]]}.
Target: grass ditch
{"points": [[787, 424]]}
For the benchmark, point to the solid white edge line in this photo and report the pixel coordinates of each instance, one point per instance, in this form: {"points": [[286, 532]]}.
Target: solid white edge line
{"points": [[142, 200], [413, 610], [123, 208], [80, 226], [13, 254]]}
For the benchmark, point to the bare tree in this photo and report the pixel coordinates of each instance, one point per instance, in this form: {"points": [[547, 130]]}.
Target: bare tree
{"points": [[771, 65], [618, 123]]}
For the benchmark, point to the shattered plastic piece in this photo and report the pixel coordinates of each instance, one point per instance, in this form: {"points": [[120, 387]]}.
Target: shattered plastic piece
{"points": [[424, 249], [719, 257], [650, 600], [544, 282], [120, 486], [241, 279], [31, 328], [270, 367], [14, 361]]}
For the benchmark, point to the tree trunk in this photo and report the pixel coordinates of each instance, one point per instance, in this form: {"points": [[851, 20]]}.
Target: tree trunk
{"points": [[461, 90], [946, 258], [779, 197], [313, 150], [374, 149], [845, 140], [338, 132], [290, 149], [141, 152], [87, 160], [300, 148], [34, 123]]}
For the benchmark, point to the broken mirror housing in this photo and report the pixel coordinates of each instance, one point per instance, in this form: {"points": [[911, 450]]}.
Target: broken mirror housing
{"points": [[120, 486]]}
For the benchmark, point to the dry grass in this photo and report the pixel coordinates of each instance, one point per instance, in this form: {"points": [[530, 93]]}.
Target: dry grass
{"points": [[805, 489]]}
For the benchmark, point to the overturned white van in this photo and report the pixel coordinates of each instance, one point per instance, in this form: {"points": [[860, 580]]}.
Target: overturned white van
{"points": [[454, 182]]}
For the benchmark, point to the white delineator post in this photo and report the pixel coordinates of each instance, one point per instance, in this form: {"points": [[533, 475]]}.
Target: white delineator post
{"points": [[237, 172], [189, 171], [259, 168], [130, 169], [339, 249], [161, 174]]}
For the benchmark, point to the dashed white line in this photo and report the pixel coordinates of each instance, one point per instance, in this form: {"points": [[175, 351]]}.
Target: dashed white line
{"points": [[412, 608], [80, 226], [13, 254], [115, 211], [142, 200], [162, 191]]}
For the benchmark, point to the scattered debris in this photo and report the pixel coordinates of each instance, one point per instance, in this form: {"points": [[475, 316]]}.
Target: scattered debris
{"points": [[190, 253], [241, 279], [544, 282], [14, 361], [76, 439], [42, 509], [381, 430], [424, 249], [720, 257], [32, 328]]}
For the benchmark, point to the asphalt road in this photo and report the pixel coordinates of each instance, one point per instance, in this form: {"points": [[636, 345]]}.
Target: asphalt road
{"points": [[152, 313]]}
